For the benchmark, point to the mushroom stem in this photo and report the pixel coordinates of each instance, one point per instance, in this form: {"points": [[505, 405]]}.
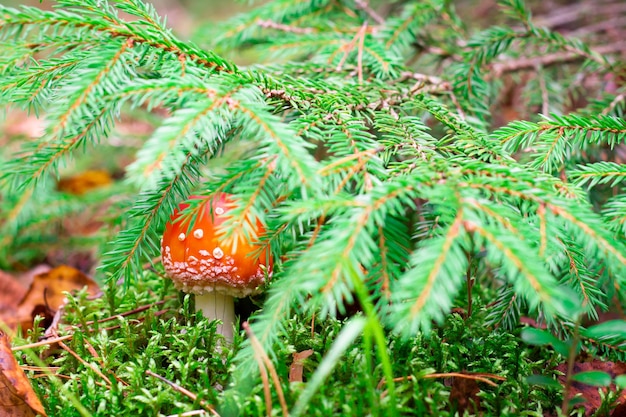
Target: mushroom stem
{"points": [[218, 306]]}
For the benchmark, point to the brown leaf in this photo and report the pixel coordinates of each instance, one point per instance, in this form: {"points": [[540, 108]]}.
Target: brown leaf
{"points": [[17, 398], [84, 182], [619, 410], [591, 394], [26, 278], [464, 395], [11, 292], [297, 366], [13, 288], [46, 293], [20, 123]]}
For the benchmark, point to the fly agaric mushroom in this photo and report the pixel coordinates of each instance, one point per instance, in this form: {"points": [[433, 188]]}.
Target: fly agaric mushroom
{"points": [[198, 263]]}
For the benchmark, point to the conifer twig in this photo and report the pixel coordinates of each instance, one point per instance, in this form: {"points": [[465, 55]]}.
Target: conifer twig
{"points": [[364, 5], [285, 28], [618, 99]]}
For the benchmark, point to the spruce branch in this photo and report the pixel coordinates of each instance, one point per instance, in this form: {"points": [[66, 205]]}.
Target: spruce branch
{"points": [[441, 257], [614, 214], [528, 277], [599, 173], [202, 121], [399, 32], [372, 163], [569, 130], [153, 207], [93, 21]]}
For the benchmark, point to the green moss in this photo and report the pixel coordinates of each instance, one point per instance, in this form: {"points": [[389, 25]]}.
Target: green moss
{"points": [[171, 340]]}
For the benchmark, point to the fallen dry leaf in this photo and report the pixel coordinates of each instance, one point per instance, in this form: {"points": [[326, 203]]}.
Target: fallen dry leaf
{"points": [[17, 398], [464, 395], [26, 278], [46, 294], [591, 394], [84, 182], [297, 366], [619, 410], [20, 123], [11, 292]]}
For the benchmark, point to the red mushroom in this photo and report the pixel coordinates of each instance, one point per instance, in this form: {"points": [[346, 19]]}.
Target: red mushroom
{"points": [[198, 263]]}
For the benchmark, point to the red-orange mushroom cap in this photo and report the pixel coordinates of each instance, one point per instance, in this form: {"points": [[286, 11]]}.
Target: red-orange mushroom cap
{"points": [[196, 261]]}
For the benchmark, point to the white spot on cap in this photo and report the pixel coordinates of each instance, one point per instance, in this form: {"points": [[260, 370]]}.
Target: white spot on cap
{"points": [[219, 210], [218, 253], [204, 252], [181, 237], [198, 233]]}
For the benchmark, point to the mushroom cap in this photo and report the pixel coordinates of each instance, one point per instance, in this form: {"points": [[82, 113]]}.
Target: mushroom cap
{"points": [[196, 261]]}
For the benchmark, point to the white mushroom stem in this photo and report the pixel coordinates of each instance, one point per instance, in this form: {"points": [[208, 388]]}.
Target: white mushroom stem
{"points": [[218, 306]]}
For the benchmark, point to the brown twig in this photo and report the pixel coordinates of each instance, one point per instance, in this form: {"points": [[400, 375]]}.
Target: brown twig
{"points": [[189, 413], [44, 342], [347, 49], [545, 96], [480, 377], [51, 331], [470, 284], [285, 28], [527, 63], [130, 312], [364, 5], [267, 391], [569, 14], [457, 105], [619, 98], [425, 78], [359, 60], [601, 26], [95, 355], [265, 362], [58, 339], [183, 391], [87, 364], [571, 362]]}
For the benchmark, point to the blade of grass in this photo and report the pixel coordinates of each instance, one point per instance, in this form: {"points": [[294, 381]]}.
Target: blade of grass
{"points": [[346, 337]]}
